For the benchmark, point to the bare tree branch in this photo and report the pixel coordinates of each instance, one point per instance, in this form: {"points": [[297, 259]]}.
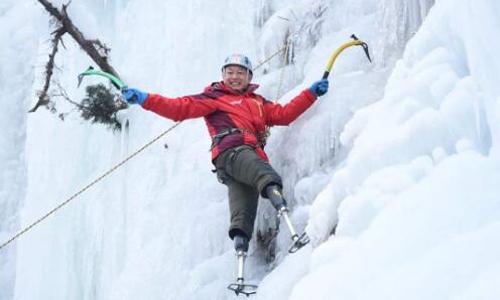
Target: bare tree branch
{"points": [[63, 94], [43, 97], [94, 48], [91, 47]]}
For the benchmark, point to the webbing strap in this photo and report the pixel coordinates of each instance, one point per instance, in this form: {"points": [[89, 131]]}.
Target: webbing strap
{"points": [[216, 139]]}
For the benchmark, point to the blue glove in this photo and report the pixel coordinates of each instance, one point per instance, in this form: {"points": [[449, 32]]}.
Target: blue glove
{"points": [[134, 96], [319, 88]]}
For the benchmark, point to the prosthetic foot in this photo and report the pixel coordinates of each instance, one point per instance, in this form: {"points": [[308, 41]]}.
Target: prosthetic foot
{"points": [[239, 287], [277, 200]]}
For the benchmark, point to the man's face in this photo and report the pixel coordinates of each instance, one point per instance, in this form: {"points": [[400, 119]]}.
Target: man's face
{"points": [[236, 77]]}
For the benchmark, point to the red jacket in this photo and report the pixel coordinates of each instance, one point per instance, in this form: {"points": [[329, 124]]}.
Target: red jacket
{"points": [[224, 108]]}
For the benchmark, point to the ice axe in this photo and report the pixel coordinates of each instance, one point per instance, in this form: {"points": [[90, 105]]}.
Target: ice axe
{"points": [[117, 82], [114, 80], [354, 42]]}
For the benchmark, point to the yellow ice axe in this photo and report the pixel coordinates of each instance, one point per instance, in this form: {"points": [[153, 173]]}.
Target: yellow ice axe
{"points": [[355, 42]]}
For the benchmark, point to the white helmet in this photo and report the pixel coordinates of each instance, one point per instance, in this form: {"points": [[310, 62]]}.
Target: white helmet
{"points": [[238, 60]]}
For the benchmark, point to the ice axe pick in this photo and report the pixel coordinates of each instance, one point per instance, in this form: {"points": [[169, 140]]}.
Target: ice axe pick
{"points": [[354, 42]]}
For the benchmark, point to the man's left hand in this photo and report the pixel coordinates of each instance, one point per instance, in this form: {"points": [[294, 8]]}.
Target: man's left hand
{"points": [[319, 88]]}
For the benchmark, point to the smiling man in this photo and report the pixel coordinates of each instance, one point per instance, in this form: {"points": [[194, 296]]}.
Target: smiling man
{"points": [[236, 118], [236, 76]]}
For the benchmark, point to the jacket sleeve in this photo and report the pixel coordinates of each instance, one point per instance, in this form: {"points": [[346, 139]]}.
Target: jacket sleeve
{"points": [[277, 114], [182, 108]]}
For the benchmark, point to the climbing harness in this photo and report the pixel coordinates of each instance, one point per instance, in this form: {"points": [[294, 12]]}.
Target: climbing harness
{"points": [[216, 139]]}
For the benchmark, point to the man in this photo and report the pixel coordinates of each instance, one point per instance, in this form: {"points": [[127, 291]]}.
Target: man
{"points": [[236, 118]]}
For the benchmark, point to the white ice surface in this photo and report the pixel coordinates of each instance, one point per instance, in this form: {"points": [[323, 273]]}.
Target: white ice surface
{"points": [[401, 158]]}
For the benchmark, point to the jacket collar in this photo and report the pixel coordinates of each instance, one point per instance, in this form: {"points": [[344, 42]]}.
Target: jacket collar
{"points": [[221, 87]]}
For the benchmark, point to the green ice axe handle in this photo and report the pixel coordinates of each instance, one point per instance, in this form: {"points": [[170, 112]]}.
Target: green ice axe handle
{"points": [[114, 80]]}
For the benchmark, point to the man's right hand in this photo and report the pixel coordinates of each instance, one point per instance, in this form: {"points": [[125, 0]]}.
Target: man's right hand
{"points": [[134, 96]]}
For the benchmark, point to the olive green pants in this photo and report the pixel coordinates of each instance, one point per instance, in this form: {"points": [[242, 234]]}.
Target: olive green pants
{"points": [[246, 176]]}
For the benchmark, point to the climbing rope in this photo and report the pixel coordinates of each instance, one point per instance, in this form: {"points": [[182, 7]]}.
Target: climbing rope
{"points": [[88, 186], [270, 57], [28, 228], [283, 67], [267, 132]]}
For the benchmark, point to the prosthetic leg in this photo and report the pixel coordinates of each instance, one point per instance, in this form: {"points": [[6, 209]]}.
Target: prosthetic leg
{"points": [[241, 247], [274, 195]]}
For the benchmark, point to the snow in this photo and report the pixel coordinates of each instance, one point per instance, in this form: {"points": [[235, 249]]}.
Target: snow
{"points": [[428, 238], [413, 187], [400, 159]]}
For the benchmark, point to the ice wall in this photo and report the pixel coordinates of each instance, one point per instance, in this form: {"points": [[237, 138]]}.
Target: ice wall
{"points": [[376, 161], [132, 236], [17, 65], [416, 192], [313, 147]]}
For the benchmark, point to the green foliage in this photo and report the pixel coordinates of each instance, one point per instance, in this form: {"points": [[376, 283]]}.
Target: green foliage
{"points": [[100, 106]]}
